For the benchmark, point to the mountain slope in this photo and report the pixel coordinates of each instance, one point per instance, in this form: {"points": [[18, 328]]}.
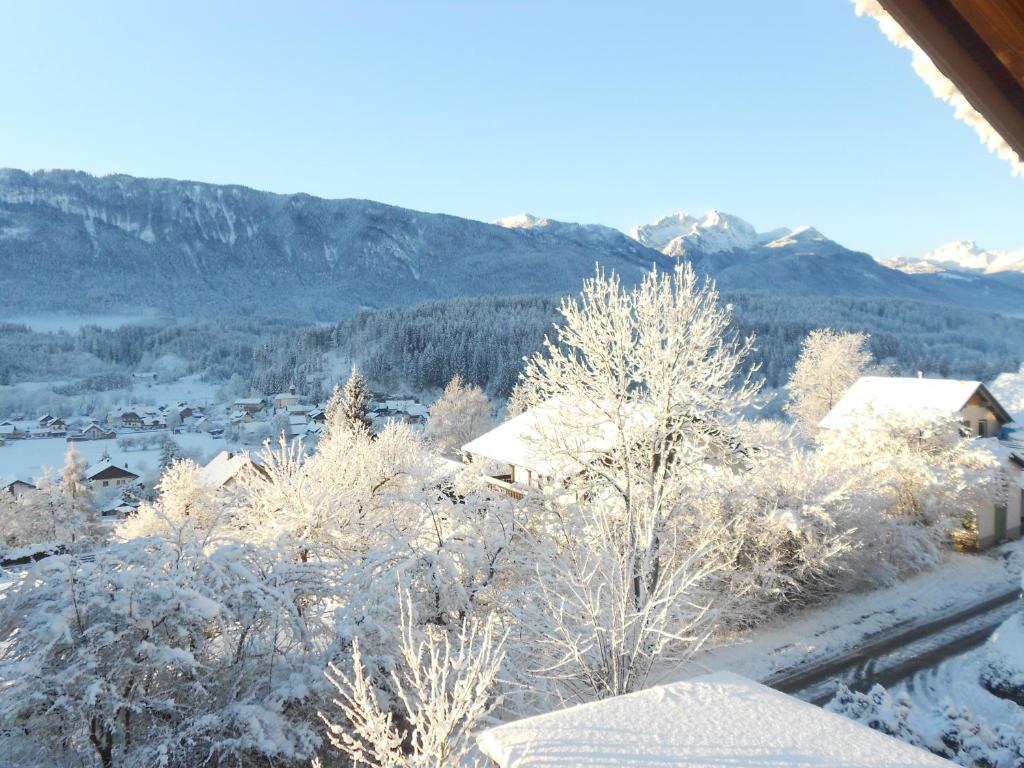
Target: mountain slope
{"points": [[70, 241], [804, 262], [73, 242]]}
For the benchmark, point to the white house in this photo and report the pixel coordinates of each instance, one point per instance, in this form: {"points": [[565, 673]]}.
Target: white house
{"points": [[92, 432], [107, 474], [18, 488], [712, 721], [981, 414]]}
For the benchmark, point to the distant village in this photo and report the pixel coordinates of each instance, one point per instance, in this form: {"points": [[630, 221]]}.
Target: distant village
{"points": [[244, 421]]}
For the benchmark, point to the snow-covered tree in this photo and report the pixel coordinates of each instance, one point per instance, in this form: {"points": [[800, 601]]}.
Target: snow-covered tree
{"points": [[436, 697], [914, 480], [462, 413], [829, 363], [350, 407], [636, 401], [160, 652]]}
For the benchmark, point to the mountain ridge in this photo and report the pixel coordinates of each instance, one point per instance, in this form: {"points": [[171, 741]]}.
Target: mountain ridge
{"points": [[199, 249]]}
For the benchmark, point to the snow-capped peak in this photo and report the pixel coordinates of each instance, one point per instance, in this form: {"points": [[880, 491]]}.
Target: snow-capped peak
{"points": [[967, 255], [680, 234], [962, 256], [802, 235], [522, 221]]}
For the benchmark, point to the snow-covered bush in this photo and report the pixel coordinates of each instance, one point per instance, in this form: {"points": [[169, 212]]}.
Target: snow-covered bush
{"points": [[1003, 671], [162, 652], [948, 730], [877, 709], [423, 710], [910, 478]]}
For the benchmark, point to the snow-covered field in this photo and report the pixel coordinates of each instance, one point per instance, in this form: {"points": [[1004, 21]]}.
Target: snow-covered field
{"points": [[51, 322], [25, 459], [822, 633]]}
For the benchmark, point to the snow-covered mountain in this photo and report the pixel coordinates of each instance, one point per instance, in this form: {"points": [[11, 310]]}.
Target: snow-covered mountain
{"points": [[72, 242], [741, 258], [965, 256]]}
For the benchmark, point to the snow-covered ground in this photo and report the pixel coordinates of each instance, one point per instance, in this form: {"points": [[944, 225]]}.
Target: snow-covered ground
{"points": [[25, 459], [51, 322], [829, 631]]}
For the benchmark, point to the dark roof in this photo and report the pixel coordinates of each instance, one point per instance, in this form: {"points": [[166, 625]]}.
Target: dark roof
{"points": [[112, 472]]}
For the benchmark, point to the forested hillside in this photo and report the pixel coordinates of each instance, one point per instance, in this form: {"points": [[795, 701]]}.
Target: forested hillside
{"points": [[420, 348]]}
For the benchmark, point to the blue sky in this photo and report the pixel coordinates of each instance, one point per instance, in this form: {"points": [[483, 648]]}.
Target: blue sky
{"points": [[784, 112]]}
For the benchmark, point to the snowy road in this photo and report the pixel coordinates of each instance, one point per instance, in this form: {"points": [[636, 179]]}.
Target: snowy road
{"points": [[898, 658]]}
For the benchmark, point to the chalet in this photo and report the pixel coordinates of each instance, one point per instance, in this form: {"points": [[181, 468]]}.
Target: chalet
{"points": [[18, 488], [300, 409], [45, 419], [11, 431], [318, 415], [57, 428], [92, 432], [720, 719], [225, 468], [130, 420], [248, 404], [981, 415], [107, 474]]}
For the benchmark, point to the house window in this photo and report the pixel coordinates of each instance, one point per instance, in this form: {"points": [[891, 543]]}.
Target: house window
{"points": [[982, 429], [106, 483]]}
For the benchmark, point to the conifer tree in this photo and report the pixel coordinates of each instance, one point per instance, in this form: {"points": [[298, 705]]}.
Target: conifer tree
{"points": [[350, 407]]}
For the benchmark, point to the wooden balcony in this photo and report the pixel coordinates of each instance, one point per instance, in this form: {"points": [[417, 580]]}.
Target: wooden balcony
{"points": [[501, 484]]}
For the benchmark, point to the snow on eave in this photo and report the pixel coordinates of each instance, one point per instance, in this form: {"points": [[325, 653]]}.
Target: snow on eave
{"points": [[941, 86], [713, 720]]}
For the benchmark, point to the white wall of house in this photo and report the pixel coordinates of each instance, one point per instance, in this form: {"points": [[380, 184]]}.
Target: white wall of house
{"points": [[978, 414]]}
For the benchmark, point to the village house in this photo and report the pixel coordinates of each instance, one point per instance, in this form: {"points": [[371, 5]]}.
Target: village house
{"points": [[11, 431], [248, 404], [92, 432], [981, 416], [18, 488], [225, 468], [107, 474]]}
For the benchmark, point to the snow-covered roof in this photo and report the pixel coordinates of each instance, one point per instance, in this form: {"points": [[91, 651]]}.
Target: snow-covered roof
{"points": [[224, 467], [712, 721], [514, 441], [572, 433], [904, 395], [249, 401]]}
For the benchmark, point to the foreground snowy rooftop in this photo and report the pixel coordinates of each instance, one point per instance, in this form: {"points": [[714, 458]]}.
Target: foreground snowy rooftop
{"points": [[712, 721], [901, 395]]}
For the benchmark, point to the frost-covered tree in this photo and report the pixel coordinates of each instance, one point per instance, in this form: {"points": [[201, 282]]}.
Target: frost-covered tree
{"points": [[635, 402], [433, 700], [462, 413], [162, 650], [829, 363], [914, 481], [350, 407]]}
